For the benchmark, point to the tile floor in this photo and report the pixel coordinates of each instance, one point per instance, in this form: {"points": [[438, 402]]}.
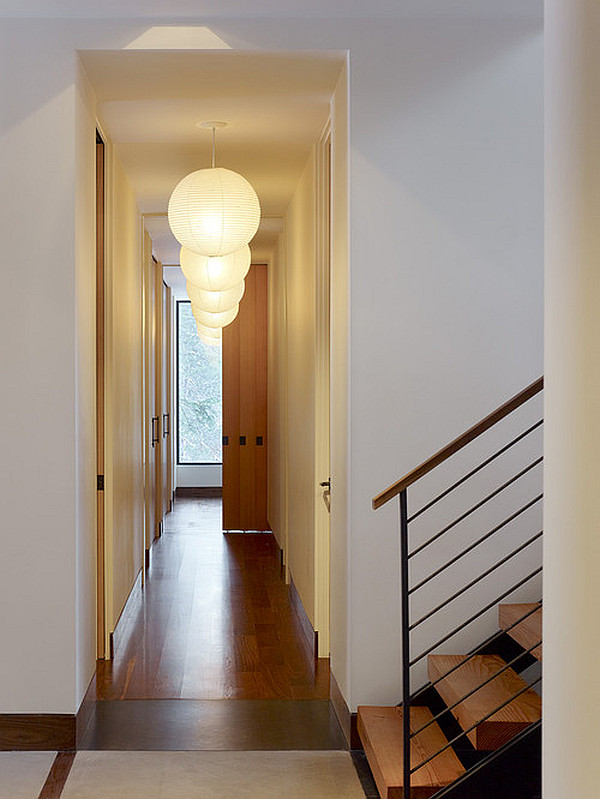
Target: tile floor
{"points": [[22, 774]]}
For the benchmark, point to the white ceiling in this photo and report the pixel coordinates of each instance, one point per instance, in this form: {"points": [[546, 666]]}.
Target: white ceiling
{"points": [[276, 106], [281, 9]]}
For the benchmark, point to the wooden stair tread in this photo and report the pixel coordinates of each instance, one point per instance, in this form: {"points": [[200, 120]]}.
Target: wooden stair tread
{"points": [[380, 730], [529, 631], [505, 723]]}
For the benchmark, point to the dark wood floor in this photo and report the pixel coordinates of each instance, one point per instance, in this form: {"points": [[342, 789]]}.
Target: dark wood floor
{"points": [[214, 621]]}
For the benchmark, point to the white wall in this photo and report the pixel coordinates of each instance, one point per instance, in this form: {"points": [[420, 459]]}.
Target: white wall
{"points": [[445, 300], [85, 469], [203, 476], [38, 365]]}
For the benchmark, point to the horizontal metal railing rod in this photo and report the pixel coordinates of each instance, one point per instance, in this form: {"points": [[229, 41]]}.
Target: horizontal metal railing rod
{"points": [[476, 651], [504, 668], [520, 736], [478, 579], [475, 616], [475, 507], [454, 446], [475, 470], [475, 544], [523, 690]]}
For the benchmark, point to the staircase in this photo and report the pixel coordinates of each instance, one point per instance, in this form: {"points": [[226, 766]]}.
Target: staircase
{"points": [[474, 720]]}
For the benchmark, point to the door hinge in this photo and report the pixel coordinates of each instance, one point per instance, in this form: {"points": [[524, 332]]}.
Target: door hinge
{"points": [[100, 482]]}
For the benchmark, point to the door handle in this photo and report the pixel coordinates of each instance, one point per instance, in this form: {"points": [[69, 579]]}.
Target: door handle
{"points": [[166, 425], [155, 430], [326, 484]]}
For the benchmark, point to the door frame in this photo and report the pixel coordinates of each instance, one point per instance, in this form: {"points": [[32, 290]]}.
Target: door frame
{"points": [[322, 557]]}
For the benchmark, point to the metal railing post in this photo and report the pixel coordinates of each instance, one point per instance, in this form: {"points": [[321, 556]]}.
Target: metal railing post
{"points": [[405, 618]]}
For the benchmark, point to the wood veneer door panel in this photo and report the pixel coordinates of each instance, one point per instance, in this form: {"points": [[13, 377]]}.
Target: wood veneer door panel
{"points": [[149, 392], [165, 407], [245, 409], [259, 404], [158, 384], [100, 359]]}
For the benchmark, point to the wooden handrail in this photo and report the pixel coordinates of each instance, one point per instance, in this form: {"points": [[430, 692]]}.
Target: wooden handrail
{"points": [[458, 443]]}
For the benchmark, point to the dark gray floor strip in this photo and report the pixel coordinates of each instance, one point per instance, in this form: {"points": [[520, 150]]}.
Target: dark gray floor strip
{"points": [[219, 724]]}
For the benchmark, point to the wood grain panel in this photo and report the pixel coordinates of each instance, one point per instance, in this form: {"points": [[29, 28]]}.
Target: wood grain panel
{"points": [[158, 396], [31, 732], [504, 724], [245, 409], [529, 631], [380, 730], [100, 399], [149, 392]]}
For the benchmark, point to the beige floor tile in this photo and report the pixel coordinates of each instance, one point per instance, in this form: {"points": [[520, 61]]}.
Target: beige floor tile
{"points": [[22, 774], [213, 775]]}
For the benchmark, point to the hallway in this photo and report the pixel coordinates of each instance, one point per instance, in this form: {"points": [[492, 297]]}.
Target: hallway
{"points": [[214, 621]]}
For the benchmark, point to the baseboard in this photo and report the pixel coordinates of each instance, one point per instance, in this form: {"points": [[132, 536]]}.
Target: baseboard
{"points": [[346, 719], [197, 491], [28, 732], [86, 711], [310, 635], [116, 637], [62, 732]]}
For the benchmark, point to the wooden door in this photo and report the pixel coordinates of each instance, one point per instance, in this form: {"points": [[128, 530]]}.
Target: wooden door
{"points": [[245, 409], [166, 408], [159, 446], [100, 532], [150, 412]]}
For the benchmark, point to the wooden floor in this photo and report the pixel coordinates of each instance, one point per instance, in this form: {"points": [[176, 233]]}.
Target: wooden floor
{"points": [[214, 620]]}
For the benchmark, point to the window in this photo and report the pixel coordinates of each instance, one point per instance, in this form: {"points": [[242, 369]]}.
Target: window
{"points": [[200, 416]]}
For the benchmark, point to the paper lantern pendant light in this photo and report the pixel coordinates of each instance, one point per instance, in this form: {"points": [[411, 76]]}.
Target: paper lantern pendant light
{"points": [[220, 319], [213, 211], [218, 273], [215, 301], [209, 335]]}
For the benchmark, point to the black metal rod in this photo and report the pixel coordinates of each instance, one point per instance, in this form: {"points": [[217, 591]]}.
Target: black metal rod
{"points": [[535, 725], [480, 577], [476, 616], [479, 541], [477, 506], [405, 615], [477, 650], [475, 470], [477, 688], [523, 690]]}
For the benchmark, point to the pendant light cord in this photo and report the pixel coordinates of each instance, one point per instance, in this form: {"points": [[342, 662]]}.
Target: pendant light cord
{"points": [[214, 146]]}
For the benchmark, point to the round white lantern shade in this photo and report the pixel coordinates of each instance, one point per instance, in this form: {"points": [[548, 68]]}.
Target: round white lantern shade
{"points": [[220, 319], [218, 273], [215, 301], [209, 335], [213, 211]]}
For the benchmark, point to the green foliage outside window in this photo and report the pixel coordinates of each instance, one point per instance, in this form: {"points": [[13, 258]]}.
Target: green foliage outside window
{"points": [[200, 408]]}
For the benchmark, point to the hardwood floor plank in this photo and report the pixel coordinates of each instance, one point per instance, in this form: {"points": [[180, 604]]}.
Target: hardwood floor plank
{"points": [[216, 620]]}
